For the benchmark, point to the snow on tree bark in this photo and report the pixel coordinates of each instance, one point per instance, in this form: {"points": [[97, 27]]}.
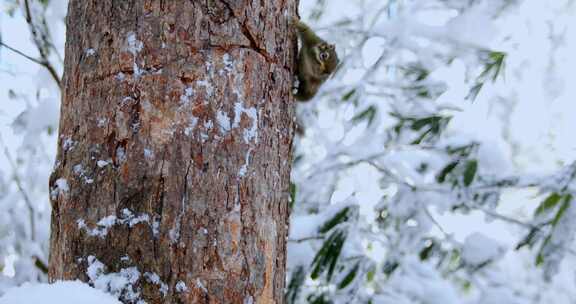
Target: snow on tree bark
{"points": [[175, 147]]}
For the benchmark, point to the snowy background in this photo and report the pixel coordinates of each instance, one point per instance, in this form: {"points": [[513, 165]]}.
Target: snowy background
{"points": [[437, 165]]}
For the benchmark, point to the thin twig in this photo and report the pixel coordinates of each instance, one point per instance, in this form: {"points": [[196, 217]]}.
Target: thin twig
{"points": [[305, 239], [507, 218], [44, 62], [435, 222], [340, 166], [18, 182], [22, 54]]}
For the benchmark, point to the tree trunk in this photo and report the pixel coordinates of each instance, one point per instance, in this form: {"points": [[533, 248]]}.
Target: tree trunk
{"points": [[174, 156]]}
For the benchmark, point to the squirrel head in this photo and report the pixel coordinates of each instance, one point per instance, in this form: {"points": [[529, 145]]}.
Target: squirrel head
{"points": [[326, 57]]}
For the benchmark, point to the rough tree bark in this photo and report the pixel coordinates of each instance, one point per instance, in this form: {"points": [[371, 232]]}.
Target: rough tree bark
{"points": [[173, 166]]}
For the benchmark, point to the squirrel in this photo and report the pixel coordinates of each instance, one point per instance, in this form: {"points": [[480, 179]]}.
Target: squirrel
{"points": [[317, 60]]}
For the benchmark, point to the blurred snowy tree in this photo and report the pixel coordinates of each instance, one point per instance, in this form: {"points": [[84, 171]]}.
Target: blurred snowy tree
{"points": [[29, 117], [383, 165]]}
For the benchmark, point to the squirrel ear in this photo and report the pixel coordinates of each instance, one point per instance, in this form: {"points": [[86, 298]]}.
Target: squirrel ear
{"points": [[331, 46]]}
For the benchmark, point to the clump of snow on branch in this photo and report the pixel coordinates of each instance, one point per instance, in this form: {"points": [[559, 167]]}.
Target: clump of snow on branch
{"points": [[479, 249]]}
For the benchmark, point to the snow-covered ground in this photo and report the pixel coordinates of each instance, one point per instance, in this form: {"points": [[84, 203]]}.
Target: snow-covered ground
{"points": [[69, 292]]}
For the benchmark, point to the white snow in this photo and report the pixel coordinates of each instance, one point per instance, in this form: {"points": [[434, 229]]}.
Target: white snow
{"points": [[226, 59], [174, 234], [78, 169], [62, 292], [121, 154], [192, 124], [244, 168], [252, 133], [68, 144], [417, 282], [207, 86], [155, 279], [228, 64], [62, 184], [248, 300], [90, 52], [131, 219], [33, 121], [201, 286], [119, 283], [156, 227], [223, 121], [134, 47], [185, 98], [181, 287], [148, 154], [104, 225], [479, 249], [120, 76]]}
